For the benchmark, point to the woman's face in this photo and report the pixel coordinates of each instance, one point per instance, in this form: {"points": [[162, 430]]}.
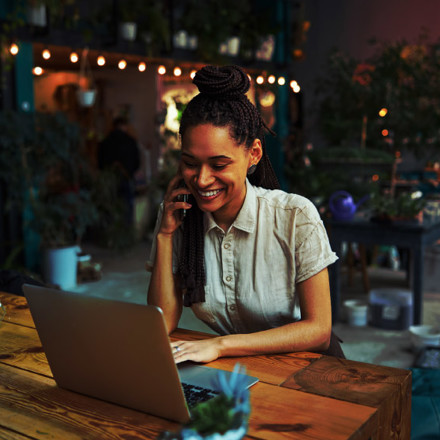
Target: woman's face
{"points": [[214, 167]]}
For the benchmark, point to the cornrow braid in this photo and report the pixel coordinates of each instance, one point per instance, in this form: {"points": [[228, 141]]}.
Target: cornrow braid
{"points": [[222, 102]]}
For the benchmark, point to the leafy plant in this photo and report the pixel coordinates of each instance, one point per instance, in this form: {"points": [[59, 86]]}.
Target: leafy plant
{"points": [[405, 206]]}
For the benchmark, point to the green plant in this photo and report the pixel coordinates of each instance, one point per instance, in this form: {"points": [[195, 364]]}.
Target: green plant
{"points": [[389, 100], [405, 206], [44, 170]]}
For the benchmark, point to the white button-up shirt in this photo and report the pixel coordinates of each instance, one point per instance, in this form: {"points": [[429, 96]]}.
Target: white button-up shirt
{"points": [[276, 241]]}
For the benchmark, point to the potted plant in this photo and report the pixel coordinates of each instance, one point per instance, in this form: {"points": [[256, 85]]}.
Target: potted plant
{"points": [[86, 92], [47, 179]]}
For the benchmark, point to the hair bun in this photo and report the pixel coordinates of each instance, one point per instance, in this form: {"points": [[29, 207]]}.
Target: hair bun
{"points": [[228, 82]]}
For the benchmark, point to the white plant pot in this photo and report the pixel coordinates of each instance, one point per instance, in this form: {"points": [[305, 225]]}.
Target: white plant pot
{"points": [[36, 15], [60, 266], [128, 31], [86, 98]]}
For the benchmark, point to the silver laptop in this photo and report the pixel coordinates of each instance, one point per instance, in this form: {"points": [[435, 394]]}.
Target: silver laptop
{"points": [[115, 351]]}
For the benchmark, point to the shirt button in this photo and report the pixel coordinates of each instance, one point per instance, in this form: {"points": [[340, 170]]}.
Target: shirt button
{"points": [[227, 245], [228, 278], [232, 307]]}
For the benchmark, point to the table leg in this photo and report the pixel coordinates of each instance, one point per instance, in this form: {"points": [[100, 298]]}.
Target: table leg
{"points": [[417, 283]]}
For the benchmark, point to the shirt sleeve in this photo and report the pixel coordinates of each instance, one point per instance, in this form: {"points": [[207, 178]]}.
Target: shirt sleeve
{"points": [[312, 251], [177, 239]]}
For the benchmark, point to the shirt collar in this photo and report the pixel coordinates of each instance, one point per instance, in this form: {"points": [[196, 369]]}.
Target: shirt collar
{"points": [[247, 216]]}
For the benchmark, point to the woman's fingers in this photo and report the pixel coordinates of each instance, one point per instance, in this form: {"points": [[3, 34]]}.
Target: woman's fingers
{"points": [[196, 351]]}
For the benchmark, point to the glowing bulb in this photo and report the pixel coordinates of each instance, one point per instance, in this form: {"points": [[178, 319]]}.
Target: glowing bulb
{"points": [[193, 74], [46, 54], [177, 71], [281, 81], [13, 49], [100, 61], [142, 67], [382, 112], [161, 70], [385, 132], [37, 70], [375, 177], [295, 87], [74, 57], [122, 64], [260, 79], [271, 79]]}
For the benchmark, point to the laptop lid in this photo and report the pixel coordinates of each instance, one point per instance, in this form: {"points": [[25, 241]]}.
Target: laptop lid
{"points": [[115, 351]]}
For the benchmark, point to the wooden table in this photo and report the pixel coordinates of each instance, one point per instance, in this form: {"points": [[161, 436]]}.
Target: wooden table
{"points": [[408, 235], [300, 395]]}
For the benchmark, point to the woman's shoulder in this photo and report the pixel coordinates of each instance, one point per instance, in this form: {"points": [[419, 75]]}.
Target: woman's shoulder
{"points": [[279, 199]]}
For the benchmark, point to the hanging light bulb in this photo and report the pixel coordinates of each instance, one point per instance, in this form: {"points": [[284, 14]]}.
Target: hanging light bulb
{"points": [[281, 81], [193, 74], [13, 49], [37, 70], [74, 57], [142, 67], [122, 64], [260, 79], [100, 61], [46, 54], [383, 112], [295, 86], [161, 70], [271, 79], [177, 71]]}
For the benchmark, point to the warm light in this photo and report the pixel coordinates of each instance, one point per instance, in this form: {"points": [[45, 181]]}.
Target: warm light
{"points": [[37, 70], [295, 86], [293, 83], [100, 61], [177, 71], [375, 177], [46, 54], [13, 49], [271, 79], [383, 112], [260, 79], [142, 66], [74, 57], [281, 81], [122, 64], [250, 78], [385, 132], [193, 74], [161, 70]]}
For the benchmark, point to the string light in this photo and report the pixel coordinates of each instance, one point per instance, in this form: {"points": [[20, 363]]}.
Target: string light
{"points": [[46, 54], [177, 71], [382, 112], [271, 79], [193, 74], [161, 70], [385, 132], [260, 79], [13, 49], [100, 61], [122, 64], [37, 70], [281, 81], [74, 57], [142, 66], [295, 86]]}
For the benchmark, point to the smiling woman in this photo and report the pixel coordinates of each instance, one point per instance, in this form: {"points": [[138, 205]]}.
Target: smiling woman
{"points": [[249, 259]]}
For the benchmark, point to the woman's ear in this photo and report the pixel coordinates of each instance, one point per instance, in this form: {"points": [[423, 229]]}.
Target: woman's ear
{"points": [[256, 152]]}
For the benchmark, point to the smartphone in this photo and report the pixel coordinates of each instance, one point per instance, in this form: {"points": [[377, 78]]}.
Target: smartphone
{"points": [[183, 197]]}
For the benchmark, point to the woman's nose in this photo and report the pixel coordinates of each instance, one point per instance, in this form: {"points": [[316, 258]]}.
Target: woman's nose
{"points": [[205, 177]]}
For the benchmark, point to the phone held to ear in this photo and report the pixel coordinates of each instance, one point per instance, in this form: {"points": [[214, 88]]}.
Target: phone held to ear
{"points": [[183, 198]]}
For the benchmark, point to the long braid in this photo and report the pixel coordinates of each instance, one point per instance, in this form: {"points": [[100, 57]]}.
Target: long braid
{"points": [[222, 102]]}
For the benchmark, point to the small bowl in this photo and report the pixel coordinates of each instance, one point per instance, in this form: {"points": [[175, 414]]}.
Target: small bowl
{"points": [[422, 335]]}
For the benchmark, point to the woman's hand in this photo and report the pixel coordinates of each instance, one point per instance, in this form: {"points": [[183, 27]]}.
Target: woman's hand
{"points": [[206, 350], [172, 213]]}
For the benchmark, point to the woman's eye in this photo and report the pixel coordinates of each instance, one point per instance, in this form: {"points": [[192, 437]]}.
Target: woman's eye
{"points": [[218, 167], [189, 164]]}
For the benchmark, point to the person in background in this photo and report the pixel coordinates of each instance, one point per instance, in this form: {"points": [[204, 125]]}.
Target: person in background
{"points": [[119, 151], [249, 259]]}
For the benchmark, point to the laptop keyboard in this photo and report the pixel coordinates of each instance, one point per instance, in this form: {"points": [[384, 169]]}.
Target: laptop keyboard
{"points": [[195, 394]]}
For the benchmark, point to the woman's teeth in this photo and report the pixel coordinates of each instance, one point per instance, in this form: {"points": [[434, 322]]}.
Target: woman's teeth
{"points": [[209, 193]]}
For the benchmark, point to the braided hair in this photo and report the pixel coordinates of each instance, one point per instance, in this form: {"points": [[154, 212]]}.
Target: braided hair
{"points": [[222, 102]]}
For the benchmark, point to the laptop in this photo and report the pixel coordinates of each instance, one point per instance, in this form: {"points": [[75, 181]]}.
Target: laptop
{"points": [[116, 351]]}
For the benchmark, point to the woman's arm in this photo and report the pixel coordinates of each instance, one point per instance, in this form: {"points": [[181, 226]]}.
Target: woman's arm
{"points": [[312, 333], [163, 291]]}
